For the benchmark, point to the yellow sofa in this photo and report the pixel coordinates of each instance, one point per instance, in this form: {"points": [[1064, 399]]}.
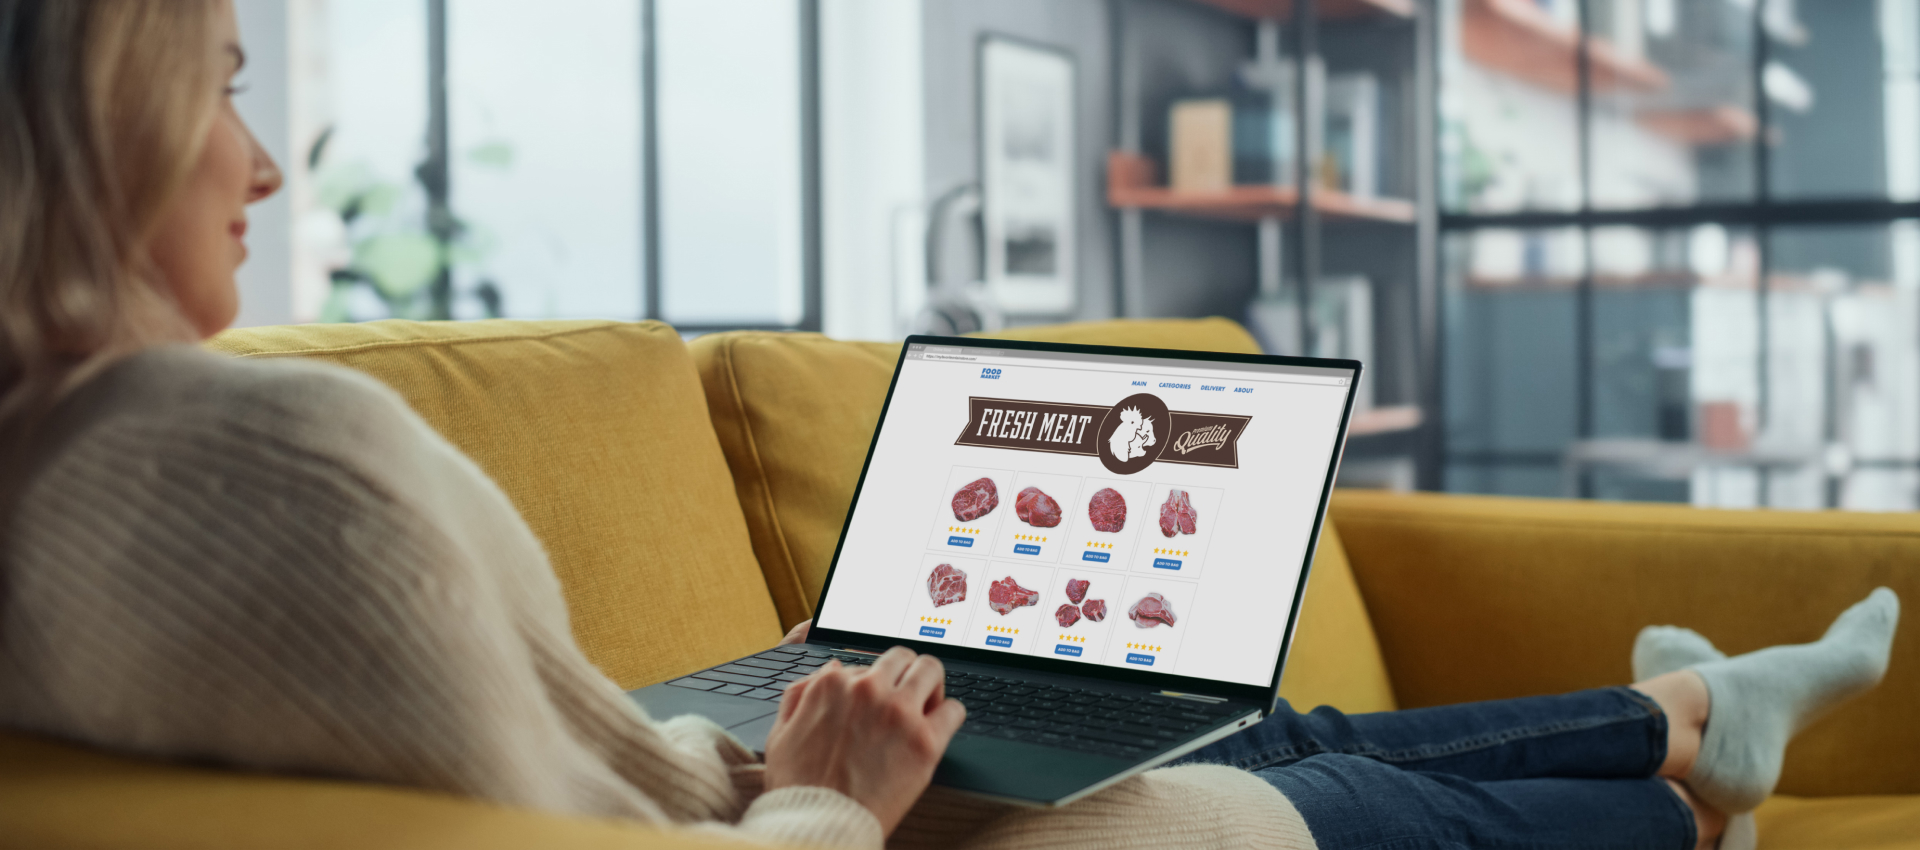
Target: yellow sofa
{"points": [[715, 474]]}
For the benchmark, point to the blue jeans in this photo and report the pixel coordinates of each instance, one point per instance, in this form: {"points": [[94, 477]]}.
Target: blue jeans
{"points": [[1576, 770]]}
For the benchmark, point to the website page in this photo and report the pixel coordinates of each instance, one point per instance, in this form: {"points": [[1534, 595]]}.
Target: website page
{"points": [[1132, 512]]}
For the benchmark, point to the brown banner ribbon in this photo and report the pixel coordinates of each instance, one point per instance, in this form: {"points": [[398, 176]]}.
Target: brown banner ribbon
{"points": [[1200, 439]]}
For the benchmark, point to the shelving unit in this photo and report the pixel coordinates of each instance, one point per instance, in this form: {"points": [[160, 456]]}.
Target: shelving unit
{"points": [[1518, 38], [1326, 10], [1131, 184]]}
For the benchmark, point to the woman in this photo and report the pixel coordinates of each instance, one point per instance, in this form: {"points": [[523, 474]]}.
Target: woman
{"points": [[277, 565]]}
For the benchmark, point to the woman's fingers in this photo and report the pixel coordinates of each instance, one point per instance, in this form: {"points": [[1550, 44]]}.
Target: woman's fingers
{"points": [[797, 634], [947, 718], [891, 666], [924, 683]]}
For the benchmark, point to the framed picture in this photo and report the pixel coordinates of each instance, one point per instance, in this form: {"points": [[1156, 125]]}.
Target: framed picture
{"points": [[1026, 174]]}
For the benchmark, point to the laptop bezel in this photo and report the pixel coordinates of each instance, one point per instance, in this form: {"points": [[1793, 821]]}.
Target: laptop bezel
{"points": [[1265, 695]]}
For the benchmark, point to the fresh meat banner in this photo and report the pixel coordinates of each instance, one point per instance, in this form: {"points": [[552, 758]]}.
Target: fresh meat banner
{"points": [[1126, 437]]}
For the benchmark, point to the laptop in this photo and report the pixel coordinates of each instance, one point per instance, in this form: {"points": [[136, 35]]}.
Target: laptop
{"points": [[1106, 547]]}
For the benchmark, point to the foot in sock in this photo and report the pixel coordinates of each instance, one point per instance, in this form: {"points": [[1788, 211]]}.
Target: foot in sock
{"points": [[1660, 650], [1761, 699]]}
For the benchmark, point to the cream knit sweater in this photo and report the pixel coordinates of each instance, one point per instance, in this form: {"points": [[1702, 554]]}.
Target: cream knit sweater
{"points": [[277, 565]]}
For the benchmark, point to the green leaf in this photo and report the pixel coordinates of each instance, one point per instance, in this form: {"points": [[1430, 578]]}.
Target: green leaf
{"points": [[399, 263], [495, 154]]}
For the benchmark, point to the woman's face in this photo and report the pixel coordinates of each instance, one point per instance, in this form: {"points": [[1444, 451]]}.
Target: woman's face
{"points": [[198, 242]]}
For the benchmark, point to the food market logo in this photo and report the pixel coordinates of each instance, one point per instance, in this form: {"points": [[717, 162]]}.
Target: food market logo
{"points": [[1127, 436], [990, 373]]}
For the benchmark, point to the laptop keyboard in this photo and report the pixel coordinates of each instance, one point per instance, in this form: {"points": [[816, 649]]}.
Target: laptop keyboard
{"points": [[1077, 719]]}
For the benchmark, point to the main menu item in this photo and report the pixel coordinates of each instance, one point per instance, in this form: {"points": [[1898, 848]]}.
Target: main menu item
{"points": [[1006, 594], [1077, 589], [1036, 508], [975, 500], [1108, 510], [1177, 514], [947, 584], [1152, 609], [1066, 615], [1095, 610]]}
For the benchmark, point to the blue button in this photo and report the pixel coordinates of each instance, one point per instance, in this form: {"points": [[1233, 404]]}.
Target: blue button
{"points": [[997, 640], [1025, 549], [933, 631], [1064, 649], [957, 540], [1139, 658], [1096, 557], [1166, 563]]}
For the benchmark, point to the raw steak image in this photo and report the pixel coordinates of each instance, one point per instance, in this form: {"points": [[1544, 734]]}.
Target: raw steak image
{"points": [[1036, 508], [1006, 594], [1108, 510], [947, 584], [1177, 514], [975, 500], [1095, 609], [1152, 610], [1067, 615], [1077, 589]]}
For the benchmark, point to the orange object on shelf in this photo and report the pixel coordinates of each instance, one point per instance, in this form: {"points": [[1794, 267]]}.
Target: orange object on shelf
{"points": [[1132, 184], [1326, 9], [1713, 125], [1517, 37]]}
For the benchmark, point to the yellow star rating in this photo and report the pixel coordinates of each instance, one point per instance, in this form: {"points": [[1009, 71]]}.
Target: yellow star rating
{"points": [[1181, 552], [1003, 630], [1034, 538], [961, 529], [1146, 646], [1093, 545], [1072, 639], [936, 620]]}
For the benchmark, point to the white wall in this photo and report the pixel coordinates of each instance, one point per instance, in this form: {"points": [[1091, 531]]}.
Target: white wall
{"points": [[266, 292]]}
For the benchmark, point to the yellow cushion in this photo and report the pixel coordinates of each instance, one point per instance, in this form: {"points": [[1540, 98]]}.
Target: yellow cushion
{"points": [[1484, 598], [61, 796], [598, 432], [1824, 823], [795, 414]]}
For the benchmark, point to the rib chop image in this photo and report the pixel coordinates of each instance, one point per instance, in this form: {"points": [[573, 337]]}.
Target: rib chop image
{"points": [[1067, 615], [1108, 510], [975, 500], [1036, 508], [1006, 594], [1077, 589], [947, 584], [1177, 514], [1095, 609], [1152, 610]]}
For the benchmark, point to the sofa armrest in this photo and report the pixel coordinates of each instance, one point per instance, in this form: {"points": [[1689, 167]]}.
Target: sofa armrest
{"points": [[1482, 598]]}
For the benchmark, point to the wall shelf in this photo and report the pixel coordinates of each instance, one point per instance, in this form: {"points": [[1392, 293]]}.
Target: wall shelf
{"points": [[1325, 9], [1518, 38], [1384, 420], [1131, 184], [1713, 125]]}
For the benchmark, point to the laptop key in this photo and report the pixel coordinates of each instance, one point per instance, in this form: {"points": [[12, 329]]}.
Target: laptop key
{"points": [[695, 684], [762, 693], [764, 663], [786, 655], [791, 676], [730, 690], [742, 670], [733, 678], [779, 686], [810, 661]]}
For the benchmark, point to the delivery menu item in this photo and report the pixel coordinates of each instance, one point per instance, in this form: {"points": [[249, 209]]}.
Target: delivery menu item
{"points": [[1094, 610], [1108, 510], [1152, 610], [1077, 589], [1066, 615], [975, 500], [1177, 514], [1036, 508], [1006, 594], [947, 584]]}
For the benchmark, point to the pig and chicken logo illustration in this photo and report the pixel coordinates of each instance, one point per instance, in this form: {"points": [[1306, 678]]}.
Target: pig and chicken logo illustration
{"points": [[1132, 438]]}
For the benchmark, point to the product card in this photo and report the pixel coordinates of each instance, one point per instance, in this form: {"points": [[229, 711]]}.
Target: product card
{"points": [[1010, 617], [1078, 613], [1150, 622], [946, 591], [1106, 523], [971, 507], [1037, 527], [1180, 520]]}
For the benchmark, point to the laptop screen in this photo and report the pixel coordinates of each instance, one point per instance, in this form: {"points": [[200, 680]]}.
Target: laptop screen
{"points": [[1145, 513]]}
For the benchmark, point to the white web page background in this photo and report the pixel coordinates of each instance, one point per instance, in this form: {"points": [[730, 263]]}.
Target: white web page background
{"points": [[1233, 625]]}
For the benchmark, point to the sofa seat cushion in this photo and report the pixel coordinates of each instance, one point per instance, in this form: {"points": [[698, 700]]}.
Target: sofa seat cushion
{"points": [[795, 414], [598, 432], [1890, 822]]}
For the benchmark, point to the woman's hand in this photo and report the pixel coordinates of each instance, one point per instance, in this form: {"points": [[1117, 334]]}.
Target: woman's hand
{"points": [[798, 634], [873, 734]]}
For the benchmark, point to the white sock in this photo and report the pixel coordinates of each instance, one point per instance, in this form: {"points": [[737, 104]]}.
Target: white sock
{"points": [[1660, 650], [1761, 699]]}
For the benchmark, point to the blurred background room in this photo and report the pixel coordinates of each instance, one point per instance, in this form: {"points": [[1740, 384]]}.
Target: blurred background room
{"points": [[1660, 250]]}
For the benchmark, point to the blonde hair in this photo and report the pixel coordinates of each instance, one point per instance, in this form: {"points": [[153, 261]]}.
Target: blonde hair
{"points": [[104, 107]]}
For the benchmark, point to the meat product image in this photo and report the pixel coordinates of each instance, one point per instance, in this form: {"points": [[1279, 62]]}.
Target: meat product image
{"points": [[1152, 610], [1006, 594], [1095, 610], [1177, 515], [947, 584], [1077, 589], [1108, 510], [975, 500], [1067, 615], [1036, 508]]}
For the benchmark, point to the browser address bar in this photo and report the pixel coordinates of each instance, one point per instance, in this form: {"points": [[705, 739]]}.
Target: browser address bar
{"points": [[1170, 371]]}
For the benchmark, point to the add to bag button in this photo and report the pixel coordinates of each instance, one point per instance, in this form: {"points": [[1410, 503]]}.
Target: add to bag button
{"points": [[957, 540], [1096, 557], [1166, 563], [1064, 649], [998, 640], [1025, 549], [1140, 658], [933, 631]]}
